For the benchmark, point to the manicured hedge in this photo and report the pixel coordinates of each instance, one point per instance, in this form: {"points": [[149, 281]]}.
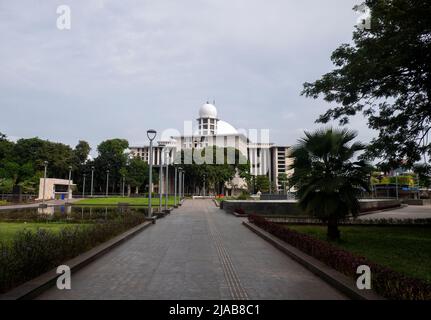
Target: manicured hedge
{"points": [[354, 222], [33, 253], [386, 282]]}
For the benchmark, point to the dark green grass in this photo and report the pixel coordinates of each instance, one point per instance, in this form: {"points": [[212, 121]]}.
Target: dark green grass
{"points": [[9, 229], [403, 249], [131, 201]]}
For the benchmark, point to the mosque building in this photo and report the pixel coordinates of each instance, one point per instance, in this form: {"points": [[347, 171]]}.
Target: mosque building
{"points": [[265, 158]]}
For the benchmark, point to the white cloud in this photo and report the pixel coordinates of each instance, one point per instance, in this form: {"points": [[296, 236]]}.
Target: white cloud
{"points": [[129, 65]]}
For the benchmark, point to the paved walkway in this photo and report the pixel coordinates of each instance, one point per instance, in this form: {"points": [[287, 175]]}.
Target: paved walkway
{"points": [[408, 212], [197, 252]]}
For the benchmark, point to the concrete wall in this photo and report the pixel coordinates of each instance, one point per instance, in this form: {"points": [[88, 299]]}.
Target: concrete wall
{"points": [[272, 207], [290, 207], [417, 202]]}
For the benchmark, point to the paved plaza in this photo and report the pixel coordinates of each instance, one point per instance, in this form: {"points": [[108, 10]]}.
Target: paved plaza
{"points": [[405, 212], [196, 252]]}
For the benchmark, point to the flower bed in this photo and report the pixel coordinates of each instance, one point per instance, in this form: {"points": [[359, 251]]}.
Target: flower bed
{"points": [[386, 282]]}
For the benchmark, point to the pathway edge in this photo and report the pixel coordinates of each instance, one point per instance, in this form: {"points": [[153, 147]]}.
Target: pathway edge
{"points": [[334, 278]]}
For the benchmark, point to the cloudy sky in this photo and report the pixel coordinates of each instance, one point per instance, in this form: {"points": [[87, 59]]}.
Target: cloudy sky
{"points": [[129, 65]]}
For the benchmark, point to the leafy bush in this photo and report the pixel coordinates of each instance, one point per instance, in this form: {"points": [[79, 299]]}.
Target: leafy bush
{"points": [[33, 253], [243, 196], [386, 282]]}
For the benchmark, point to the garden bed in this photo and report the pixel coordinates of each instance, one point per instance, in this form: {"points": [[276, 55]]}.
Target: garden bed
{"points": [[385, 280], [32, 251]]}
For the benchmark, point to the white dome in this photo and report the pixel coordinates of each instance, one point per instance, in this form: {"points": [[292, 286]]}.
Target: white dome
{"points": [[224, 128], [208, 110]]}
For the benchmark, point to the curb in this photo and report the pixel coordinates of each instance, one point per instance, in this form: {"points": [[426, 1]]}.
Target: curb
{"points": [[334, 278], [239, 215], [33, 288], [365, 213]]}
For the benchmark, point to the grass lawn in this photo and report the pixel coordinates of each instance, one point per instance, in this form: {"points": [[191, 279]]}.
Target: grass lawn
{"points": [[116, 200], [404, 249], [3, 202], [8, 229]]}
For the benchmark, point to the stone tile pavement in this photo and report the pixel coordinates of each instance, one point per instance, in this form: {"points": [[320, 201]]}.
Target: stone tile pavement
{"points": [[196, 252], [407, 212]]}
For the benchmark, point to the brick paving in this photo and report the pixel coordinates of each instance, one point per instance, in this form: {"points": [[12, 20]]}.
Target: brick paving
{"points": [[197, 252]]}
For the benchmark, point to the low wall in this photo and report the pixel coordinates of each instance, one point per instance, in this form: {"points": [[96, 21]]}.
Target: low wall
{"points": [[291, 208], [417, 202]]}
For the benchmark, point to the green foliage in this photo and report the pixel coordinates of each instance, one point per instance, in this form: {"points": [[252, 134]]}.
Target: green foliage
{"points": [[326, 177], [385, 281], [81, 152], [136, 172], [386, 76], [214, 165], [33, 253], [405, 249], [6, 185], [262, 184], [243, 196]]}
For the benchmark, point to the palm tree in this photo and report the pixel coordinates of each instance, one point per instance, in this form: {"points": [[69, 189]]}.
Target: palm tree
{"points": [[327, 178]]}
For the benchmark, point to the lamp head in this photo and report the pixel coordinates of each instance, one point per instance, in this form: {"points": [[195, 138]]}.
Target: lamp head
{"points": [[151, 134]]}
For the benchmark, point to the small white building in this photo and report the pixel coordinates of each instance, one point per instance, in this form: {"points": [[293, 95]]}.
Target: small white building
{"points": [[55, 189]]}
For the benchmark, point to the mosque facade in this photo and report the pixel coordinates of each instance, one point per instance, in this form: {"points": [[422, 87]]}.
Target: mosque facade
{"points": [[264, 157]]}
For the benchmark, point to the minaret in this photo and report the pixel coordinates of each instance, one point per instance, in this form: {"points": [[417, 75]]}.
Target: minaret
{"points": [[207, 120]]}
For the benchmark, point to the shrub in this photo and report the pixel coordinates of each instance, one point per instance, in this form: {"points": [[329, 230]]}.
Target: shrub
{"points": [[243, 196], [386, 282], [33, 253]]}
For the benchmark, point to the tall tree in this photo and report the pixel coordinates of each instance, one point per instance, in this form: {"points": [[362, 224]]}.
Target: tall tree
{"points": [[327, 178], [220, 166], [81, 152], [262, 183], [386, 75], [113, 157], [136, 173]]}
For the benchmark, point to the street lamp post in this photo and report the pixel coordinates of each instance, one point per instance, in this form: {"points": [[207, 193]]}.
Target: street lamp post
{"points": [[167, 180], [184, 178], [92, 179], [45, 163], [204, 183], [124, 181], [151, 134], [396, 184], [161, 160], [83, 186], [68, 187], [180, 170], [107, 182], [175, 186]]}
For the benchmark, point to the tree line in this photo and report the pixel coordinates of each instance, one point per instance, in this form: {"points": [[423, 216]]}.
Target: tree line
{"points": [[22, 165]]}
